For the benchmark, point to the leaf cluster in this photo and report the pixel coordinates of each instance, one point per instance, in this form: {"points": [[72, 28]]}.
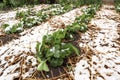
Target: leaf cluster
{"points": [[54, 50], [117, 5], [32, 18], [10, 29], [78, 3]]}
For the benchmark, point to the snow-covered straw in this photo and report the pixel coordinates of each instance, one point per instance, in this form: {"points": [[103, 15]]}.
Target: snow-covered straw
{"points": [[17, 58], [102, 58]]}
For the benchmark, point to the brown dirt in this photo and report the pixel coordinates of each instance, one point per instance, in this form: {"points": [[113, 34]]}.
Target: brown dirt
{"points": [[6, 38]]}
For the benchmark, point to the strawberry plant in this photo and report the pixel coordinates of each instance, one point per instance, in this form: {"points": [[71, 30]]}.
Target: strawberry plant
{"points": [[9, 29], [23, 14], [82, 21], [31, 18], [78, 3], [118, 8], [53, 49], [30, 21], [117, 5]]}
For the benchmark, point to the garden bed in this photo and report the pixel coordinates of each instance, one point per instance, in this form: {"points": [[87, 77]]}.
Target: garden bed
{"points": [[99, 57]]}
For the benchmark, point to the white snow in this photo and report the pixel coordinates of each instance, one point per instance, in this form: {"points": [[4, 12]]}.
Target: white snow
{"points": [[104, 61], [22, 50]]}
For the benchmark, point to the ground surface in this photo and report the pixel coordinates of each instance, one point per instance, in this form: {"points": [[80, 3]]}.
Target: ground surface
{"points": [[101, 44], [100, 59]]}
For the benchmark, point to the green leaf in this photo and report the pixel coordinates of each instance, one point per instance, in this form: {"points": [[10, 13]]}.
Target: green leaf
{"points": [[49, 54], [83, 28], [74, 28], [76, 50], [5, 25], [43, 66], [21, 14], [70, 47], [39, 50], [60, 34], [57, 54], [38, 59], [38, 47], [55, 62], [14, 28], [66, 49], [48, 39], [65, 53]]}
